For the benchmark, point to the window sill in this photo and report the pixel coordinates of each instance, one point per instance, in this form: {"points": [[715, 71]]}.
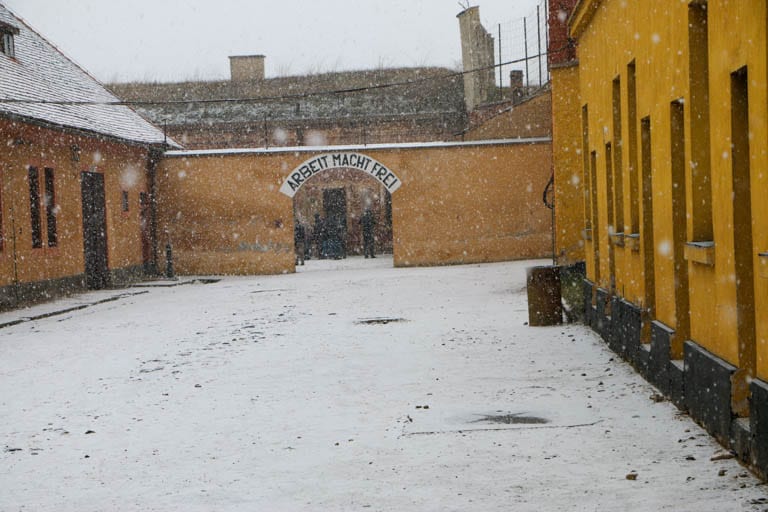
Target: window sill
{"points": [[618, 239], [762, 265], [700, 252], [632, 241]]}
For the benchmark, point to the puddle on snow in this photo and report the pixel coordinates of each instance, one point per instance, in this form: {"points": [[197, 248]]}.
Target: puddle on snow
{"points": [[379, 321], [511, 419]]}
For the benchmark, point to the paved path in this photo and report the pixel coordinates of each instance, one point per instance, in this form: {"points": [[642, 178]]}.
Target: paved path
{"points": [[347, 386]]}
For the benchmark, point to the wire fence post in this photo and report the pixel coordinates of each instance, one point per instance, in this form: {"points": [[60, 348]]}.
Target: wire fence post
{"points": [[501, 76], [525, 44], [538, 38], [517, 51]]}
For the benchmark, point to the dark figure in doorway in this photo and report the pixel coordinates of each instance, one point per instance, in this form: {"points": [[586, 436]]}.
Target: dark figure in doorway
{"points": [[368, 222], [318, 236], [342, 239], [299, 241], [332, 245]]}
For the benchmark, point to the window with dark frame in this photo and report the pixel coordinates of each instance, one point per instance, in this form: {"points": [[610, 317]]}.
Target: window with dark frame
{"points": [[126, 205], [7, 45], [50, 208], [34, 207]]}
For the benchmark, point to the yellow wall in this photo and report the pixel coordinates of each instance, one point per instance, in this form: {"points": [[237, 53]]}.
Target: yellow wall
{"points": [[531, 118], [471, 204], [457, 204], [124, 168], [225, 214], [655, 34], [747, 20], [567, 164]]}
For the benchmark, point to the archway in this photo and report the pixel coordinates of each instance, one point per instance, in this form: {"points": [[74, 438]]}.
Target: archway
{"points": [[334, 190]]}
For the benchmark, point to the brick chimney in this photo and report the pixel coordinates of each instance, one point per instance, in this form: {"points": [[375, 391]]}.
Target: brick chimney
{"points": [[243, 68], [516, 79], [516, 85]]}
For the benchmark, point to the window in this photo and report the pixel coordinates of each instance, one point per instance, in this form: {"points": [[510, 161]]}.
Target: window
{"points": [[595, 215], [701, 186], [634, 186], [50, 208], [618, 169], [587, 175], [34, 207], [35, 211], [7, 45], [125, 202]]}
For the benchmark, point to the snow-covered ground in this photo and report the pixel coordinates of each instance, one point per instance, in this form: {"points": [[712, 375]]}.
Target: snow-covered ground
{"points": [[350, 385]]}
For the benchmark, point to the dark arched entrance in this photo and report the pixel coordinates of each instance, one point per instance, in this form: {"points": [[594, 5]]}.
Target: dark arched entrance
{"points": [[339, 188]]}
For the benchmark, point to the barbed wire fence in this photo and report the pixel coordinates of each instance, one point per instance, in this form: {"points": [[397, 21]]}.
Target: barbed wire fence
{"points": [[524, 41]]}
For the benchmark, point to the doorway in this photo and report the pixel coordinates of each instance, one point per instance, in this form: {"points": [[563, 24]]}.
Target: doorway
{"points": [[94, 230], [335, 209], [679, 233], [342, 195], [145, 219], [742, 238], [649, 269]]}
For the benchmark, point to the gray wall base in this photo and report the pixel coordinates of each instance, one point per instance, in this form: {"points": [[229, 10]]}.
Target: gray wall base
{"points": [[658, 362], [586, 289], [602, 321], [707, 384], [23, 294], [759, 426]]}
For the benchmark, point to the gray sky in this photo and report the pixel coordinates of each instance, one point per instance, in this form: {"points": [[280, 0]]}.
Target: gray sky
{"points": [[166, 40]]}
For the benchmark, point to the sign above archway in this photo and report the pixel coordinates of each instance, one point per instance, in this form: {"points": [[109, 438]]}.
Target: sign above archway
{"points": [[342, 160]]}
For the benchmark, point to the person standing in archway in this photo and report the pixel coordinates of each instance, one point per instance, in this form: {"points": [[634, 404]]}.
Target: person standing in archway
{"points": [[299, 240], [318, 236], [368, 222]]}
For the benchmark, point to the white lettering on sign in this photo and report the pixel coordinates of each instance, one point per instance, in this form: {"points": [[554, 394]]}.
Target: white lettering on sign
{"points": [[346, 160]]}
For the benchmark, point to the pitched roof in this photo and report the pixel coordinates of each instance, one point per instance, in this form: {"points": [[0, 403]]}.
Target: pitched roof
{"points": [[41, 73]]}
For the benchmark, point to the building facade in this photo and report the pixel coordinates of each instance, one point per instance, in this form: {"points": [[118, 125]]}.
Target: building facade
{"points": [[233, 211], [672, 106], [349, 107], [368, 107], [76, 175]]}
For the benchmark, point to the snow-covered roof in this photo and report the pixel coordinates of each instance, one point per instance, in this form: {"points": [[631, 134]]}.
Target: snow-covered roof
{"points": [[357, 147], [40, 72]]}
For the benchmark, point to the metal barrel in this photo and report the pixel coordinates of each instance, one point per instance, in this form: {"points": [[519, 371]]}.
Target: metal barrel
{"points": [[544, 304]]}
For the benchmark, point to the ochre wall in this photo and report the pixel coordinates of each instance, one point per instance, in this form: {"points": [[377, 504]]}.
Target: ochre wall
{"points": [[471, 204], [124, 168], [655, 34], [225, 214], [531, 118], [748, 19], [633, 29], [567, 165], [458, 204]]}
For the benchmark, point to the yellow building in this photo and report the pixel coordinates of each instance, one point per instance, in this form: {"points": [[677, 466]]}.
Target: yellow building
{"points": [[76, 207], [673, 109]]}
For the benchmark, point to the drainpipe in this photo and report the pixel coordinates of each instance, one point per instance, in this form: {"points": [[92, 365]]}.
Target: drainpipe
{"points": [[15, 256], [549, 201], [153, 157]]}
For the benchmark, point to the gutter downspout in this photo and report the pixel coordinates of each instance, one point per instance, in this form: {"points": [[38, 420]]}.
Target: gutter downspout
{"points": [[15, 255]]}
